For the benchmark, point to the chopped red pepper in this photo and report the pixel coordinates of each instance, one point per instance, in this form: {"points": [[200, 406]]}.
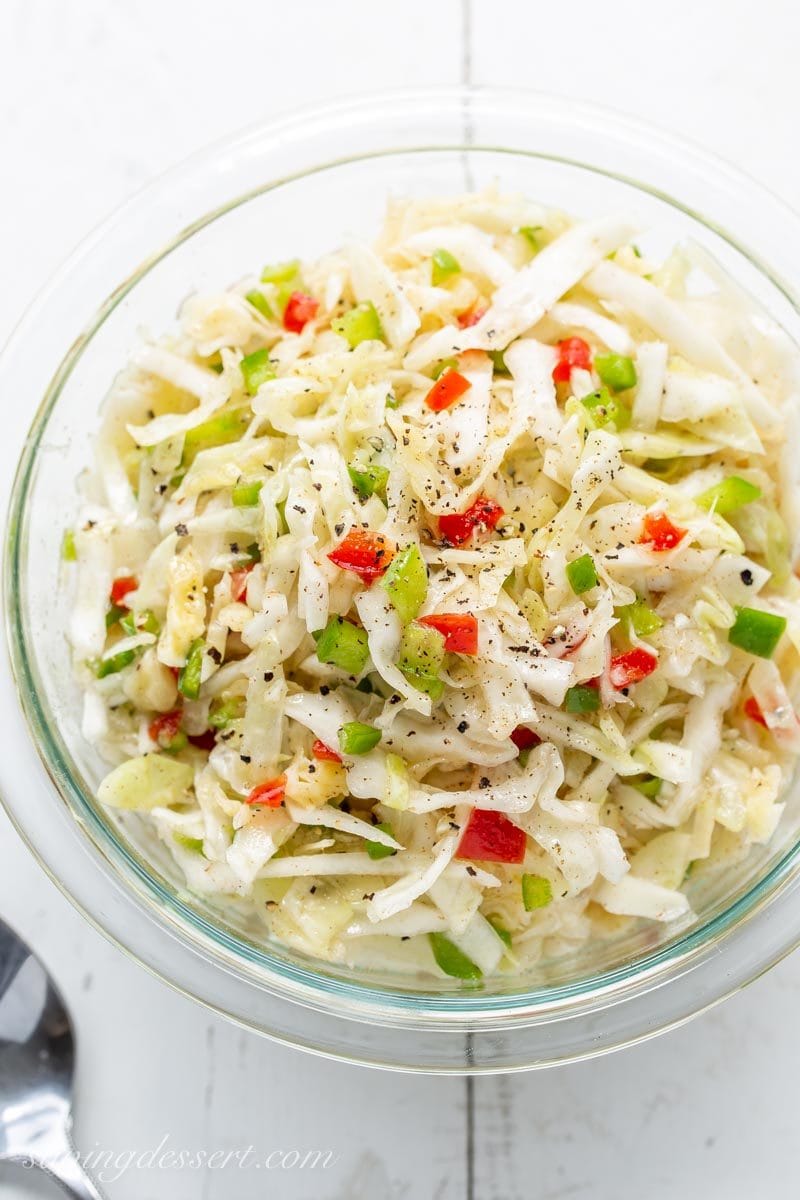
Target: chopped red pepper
{"points": [[120, 588], [524, 738], [448, 388], [324, 753], [471, 316], [491, 836], [300, 309], [572, 352], [164, 728], [363, 552], [631, 667], [270, 794], [659, 532], [206, 740], [458, 528], [239, 581], [753, 710], [459, 630]]}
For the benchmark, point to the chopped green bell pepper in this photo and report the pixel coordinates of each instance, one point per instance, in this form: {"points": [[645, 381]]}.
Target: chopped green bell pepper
{"points": [[369, 480], [531, 235], [729, 495], [499, 362], [256, 369], [641, 617], [357, 738], [650, 785], [284, 272], [500, 930], [114, 663], [406, 582], [143, 622], [222, 714], [224, 427], [343, 644], [360, 324], [260, 303], [582, 699], [194, 845], [443, 265], [421, 658], [617, 371], [537, 892], [245, 494], [451, 960], [604, 409], [756, 631], [114, 614], [582, 574], [446, 364], [377, 849], [68, 551], [189, 675]]}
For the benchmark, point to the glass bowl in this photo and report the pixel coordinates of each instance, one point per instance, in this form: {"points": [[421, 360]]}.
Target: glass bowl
{"points": [[297, 187]]}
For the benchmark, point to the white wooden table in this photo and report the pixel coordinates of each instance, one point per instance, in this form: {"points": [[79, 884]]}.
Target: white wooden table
{"points": [[96, 97]]}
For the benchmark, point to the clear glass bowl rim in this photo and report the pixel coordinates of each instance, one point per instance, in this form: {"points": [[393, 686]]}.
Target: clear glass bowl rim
{"points": [[310, 985]]}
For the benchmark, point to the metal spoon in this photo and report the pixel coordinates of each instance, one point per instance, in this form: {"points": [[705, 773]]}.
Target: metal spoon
{"points": [[37, 1061]]}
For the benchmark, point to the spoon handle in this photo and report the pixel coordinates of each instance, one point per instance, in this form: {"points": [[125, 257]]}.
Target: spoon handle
{"points": [[67, 1170]]}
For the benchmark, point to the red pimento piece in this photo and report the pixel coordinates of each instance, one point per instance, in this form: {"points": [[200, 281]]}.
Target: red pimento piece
{"points": [[324, 753], [459, 630], [365, 553], [458, 528], [572, 352], [239, 581], [448, 388], [163, 729], [524, 738], [120, 588], [659, 532], [753, 710], [206, 740], [270, 794], [631, 667], [471, 317], [300, 309], [492, 837]]}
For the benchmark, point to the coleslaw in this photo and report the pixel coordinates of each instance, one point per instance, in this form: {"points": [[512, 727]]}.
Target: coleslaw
{"points": [[434, 600]]}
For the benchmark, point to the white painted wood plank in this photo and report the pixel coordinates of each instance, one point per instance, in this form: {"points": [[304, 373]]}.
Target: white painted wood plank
{"points": [[707, 1110]]}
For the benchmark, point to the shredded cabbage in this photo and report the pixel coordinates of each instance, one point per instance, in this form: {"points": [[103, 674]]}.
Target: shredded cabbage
{"points": [[379, 615]]}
